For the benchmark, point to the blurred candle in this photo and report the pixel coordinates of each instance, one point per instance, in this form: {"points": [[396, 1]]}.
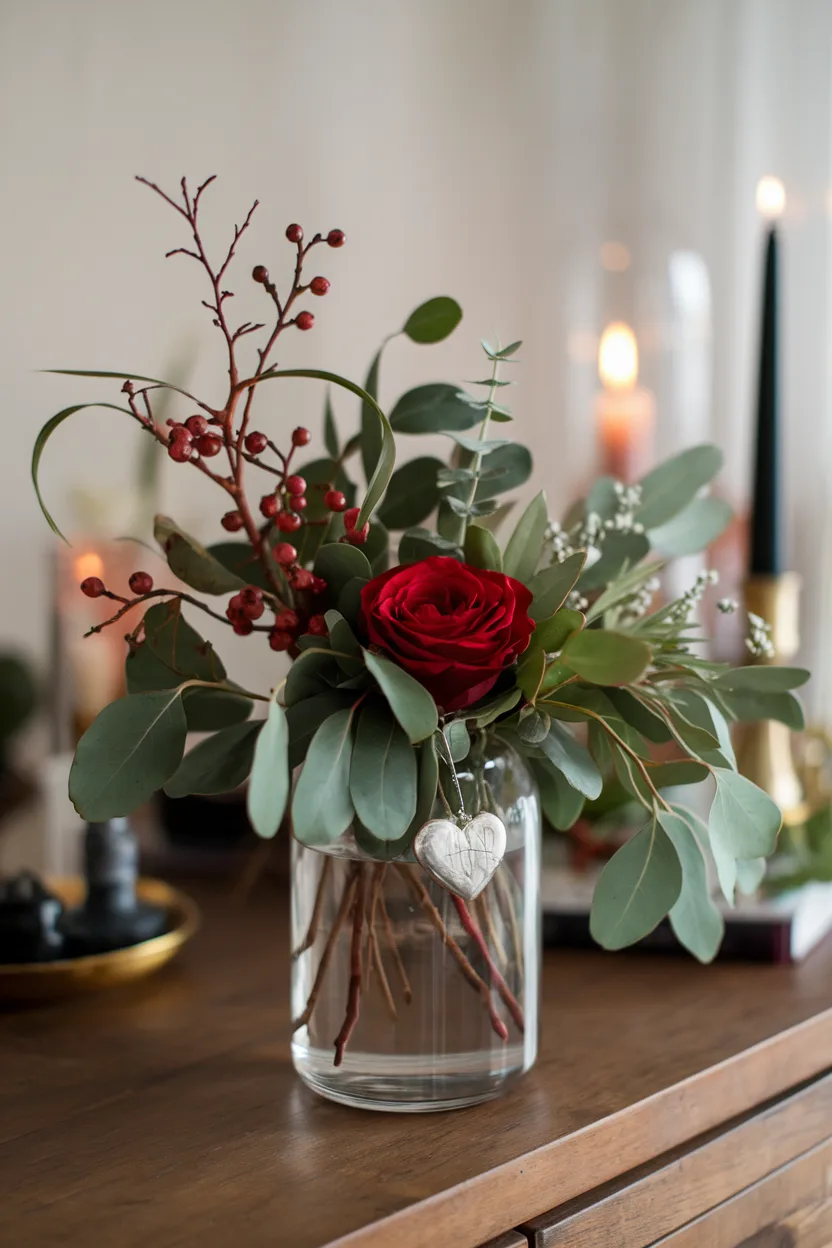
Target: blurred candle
{"points": [[625, 413], [766, 523]]}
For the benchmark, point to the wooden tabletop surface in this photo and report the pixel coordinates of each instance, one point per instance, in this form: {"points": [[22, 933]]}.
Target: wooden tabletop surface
{"points": [[168, 1112]]}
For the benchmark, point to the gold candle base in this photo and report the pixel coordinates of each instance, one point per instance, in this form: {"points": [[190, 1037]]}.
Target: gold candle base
{"points": [[764, 752]]}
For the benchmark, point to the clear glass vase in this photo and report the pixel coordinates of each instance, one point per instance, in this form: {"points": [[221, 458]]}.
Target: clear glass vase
{"points": [[405, 998]]}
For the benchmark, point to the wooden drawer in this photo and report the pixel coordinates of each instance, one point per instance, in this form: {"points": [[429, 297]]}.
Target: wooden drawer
{"points": [[791, 1208], [680, 1187]]}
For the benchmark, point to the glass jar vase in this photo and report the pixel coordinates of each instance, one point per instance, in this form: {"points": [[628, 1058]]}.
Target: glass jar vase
{"points": [[403, 996]]}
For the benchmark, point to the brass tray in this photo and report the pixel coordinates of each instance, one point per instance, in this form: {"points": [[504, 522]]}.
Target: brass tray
{"points": [[69, 977]]}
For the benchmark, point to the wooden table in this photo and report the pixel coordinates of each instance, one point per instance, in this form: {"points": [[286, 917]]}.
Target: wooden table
{"points": [[672, 1104]]}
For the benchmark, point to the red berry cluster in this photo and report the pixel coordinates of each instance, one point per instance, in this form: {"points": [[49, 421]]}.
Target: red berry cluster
{"points": [[195, 434], [141, 583], [244, 608]]}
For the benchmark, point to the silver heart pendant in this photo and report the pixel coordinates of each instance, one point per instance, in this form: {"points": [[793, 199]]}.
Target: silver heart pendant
{"points": [[462, 859]]}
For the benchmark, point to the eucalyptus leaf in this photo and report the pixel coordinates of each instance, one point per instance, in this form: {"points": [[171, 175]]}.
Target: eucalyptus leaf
{"points": [[695, 919], [434, 320], [314, 671], [618, 550], [562, 805], [602, 499], [507, 468], [381, 850], [457, 740], [191, 562], [552, 585], [761, 678], [551, 635], [434, 408], [573, 760], [750, 874], [219, 764], [481, 549], [493, 707], [648, 722], [179, 646], [268, 787], [128, 752], [530, 672], [680, 771], [412, 494], [479, 446], [242, 563], [338, 563], [668, 488], [750, 707], [636, 889], [693, 529], [347, 651], [349, 600], [383, 774], [604, 657], [743, 819], [206, 709], [409, 701], [534, 725], [322, 808], [417, 544], [522, 554], [304, 718]]}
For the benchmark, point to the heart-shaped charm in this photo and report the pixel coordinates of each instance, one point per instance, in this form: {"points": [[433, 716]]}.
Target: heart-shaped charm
{"points": [[462, 859]]}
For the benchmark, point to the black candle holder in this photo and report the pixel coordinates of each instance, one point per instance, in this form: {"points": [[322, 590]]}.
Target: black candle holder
{"points": [[111, 917], [29, 916]]}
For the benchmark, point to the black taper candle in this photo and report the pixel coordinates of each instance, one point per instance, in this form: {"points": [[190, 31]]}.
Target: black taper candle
{"points": [[766, 527]]}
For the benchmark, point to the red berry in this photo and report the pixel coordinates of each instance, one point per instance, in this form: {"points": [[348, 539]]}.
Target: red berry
{"points": [[319, 585], [357, 537], [288, 522], [335, 500], [196, 425], [285, 553], [294, 233], [317, 626], [93, 587], [269, 505], [301, 436], [336, 238], [256, 442], [297, 502], [141, 583], [253, 609], [181, 448], [296, 485], [279, 640], [242, 626], [304, 320], [350, 517], [260, 273], [319, 285], [209, 444], [301, 579], [232, 521], [286, 620]]}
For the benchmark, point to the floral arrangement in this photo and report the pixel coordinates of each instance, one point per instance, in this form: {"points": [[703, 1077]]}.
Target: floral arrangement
{"points": [[548, 639]]}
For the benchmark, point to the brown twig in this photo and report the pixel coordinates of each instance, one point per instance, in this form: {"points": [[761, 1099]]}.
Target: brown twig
{"points": [[509, 1000], [329, 948], [254, 868], [506, 903], [484, 911], [317, 910], [354, 992], [374, 955], [407, 991], [130, 603], [475, 980]]}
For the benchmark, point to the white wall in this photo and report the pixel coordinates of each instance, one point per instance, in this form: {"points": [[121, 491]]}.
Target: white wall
{"points": [[483, 148]]}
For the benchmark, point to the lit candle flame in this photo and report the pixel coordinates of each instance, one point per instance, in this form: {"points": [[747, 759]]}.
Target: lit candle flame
{"points": [[618, 357], [771, 197], [88, 564]]}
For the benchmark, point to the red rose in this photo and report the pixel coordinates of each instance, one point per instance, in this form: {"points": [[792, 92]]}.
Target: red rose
{"points": [[452, 627]]}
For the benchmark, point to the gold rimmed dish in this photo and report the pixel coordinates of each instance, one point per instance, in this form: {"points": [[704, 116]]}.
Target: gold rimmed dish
{"points": [[69, 977]]}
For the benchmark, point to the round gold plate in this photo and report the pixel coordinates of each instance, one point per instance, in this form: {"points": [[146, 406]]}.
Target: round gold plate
{"points": [[69, 977]]}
